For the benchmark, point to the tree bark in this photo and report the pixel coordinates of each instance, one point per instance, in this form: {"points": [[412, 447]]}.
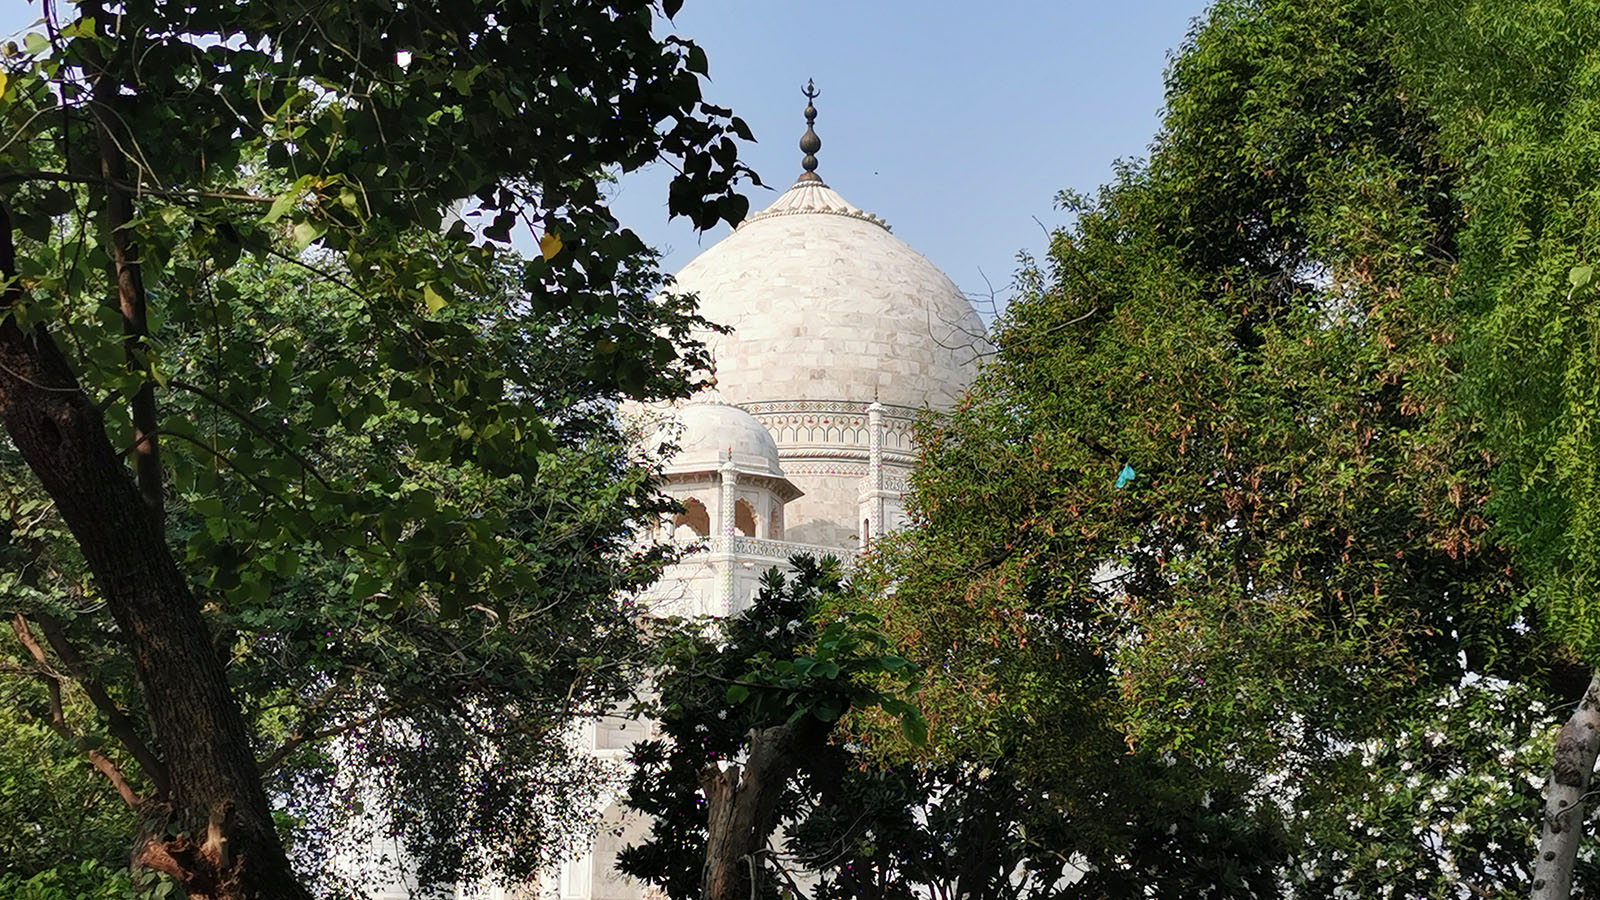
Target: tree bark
{"points": [[214, 833], [1571, 772], [742, 805], [111, 109]]}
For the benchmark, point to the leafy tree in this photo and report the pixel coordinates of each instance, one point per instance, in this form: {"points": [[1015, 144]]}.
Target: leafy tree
{"points": [[746, 707], [1439, 805], [859, 823], [1216, 494], [51, 802], [354, 706], [337, 138], [1513, 88]]}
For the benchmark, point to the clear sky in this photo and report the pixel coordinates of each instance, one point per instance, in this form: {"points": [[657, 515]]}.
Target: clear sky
{"points": [[956, 122]]}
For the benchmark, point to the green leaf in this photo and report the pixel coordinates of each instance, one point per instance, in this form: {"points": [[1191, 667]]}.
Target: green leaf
{"points": [[286, 200], [432, 298], [208, 507], [305, 233], [1580, 276], [737, 693], [280, 206], [914, 729]]}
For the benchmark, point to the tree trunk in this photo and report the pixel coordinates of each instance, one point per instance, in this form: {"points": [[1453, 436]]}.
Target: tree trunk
{"points": [[1571, 771], [742, 805], [214, 832]]}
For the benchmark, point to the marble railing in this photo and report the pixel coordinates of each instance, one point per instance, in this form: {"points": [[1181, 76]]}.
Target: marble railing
{"points": [[709, 548], [770, 549]]}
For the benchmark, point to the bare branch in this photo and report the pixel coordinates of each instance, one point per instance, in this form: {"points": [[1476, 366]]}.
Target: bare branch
{"points": [[296, 738], [10, 178], [219, 455], [117, 721], [58, 718]]}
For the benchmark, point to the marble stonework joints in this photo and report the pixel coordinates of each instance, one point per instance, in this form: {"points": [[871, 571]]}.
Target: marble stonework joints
{"points": [[836, 429], [822, 467], [890, 410]]}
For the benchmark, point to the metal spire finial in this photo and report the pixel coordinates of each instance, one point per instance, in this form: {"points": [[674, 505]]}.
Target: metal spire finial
{"points": [[809, 142]]}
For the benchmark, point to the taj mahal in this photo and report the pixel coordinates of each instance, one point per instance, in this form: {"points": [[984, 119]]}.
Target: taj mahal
{"points": [[842, 335]]}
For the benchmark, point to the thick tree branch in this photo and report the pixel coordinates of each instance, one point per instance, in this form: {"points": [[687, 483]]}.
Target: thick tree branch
{"points": [[127, 274], [1571, 771], [9, 178], [301, 736], [194, 716], [742, 801]]}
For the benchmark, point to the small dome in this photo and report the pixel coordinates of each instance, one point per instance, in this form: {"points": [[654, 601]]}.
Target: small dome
{"points": [[826, 304], [708, 428]]}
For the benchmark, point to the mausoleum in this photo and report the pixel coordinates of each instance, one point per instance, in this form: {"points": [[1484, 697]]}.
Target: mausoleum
{"points": [[842, 335]]}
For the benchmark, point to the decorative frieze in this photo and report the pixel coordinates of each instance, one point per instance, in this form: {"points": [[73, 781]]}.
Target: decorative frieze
{"points": [[767, 407]]}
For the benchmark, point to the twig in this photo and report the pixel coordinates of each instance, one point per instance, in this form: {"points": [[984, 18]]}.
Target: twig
{"points": [[245, 419], [194, 441], [295, 739]]}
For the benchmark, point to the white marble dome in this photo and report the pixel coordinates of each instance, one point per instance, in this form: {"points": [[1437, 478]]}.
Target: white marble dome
{"points": [[827, 304], [708, 428]]}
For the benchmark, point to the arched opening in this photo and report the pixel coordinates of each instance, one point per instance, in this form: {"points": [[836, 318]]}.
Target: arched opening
{"points": [[694, 516], [744, 518], [866, 533]]}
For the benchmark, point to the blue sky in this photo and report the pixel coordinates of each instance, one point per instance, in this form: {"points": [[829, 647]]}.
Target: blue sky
{"points": [[956, 122]]}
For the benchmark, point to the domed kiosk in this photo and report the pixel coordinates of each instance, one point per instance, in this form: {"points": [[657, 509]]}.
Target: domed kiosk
{"points": [[725, 470]]}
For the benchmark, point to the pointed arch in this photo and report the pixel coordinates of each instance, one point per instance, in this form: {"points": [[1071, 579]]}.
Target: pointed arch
{"points": [[744, 518], [695, 516]]}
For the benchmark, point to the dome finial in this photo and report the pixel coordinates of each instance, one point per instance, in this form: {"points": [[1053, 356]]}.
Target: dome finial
{"points": [[809, 142]]}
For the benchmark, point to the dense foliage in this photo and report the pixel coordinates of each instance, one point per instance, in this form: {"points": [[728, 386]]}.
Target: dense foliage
{"points": [[1515, 88], [793, 655], [1260, 561], [52, 802], [1264, 470], [855, 825], [304, 437]]}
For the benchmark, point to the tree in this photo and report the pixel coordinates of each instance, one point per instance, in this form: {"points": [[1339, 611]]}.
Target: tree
{"points": [[51, 804], [1512, 87], [746, 707], [1217, 493], [337, 138], [1438, 806], [441, 728], [884, 820]]}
